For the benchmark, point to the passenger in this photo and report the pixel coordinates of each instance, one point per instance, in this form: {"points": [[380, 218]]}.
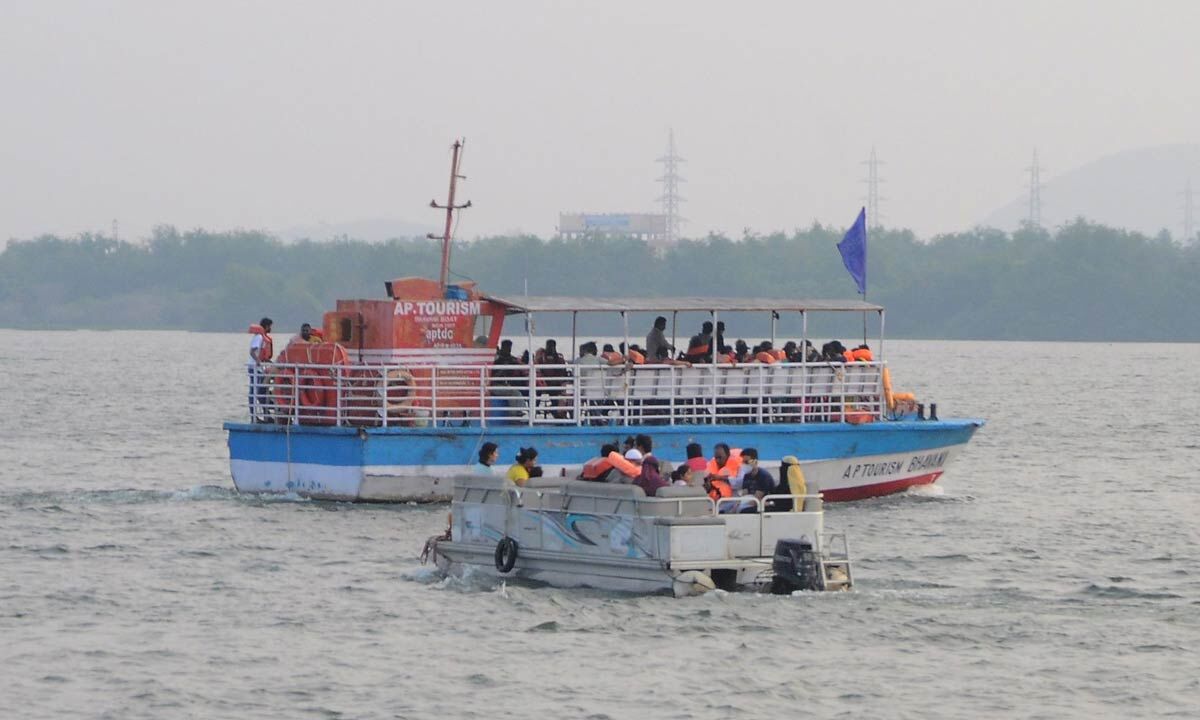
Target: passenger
{"points": [[682, 476], [833, 351], [650, 480], [262, 349], [763, 353], [504, 355], [635, 355], [726, 464], [596, 469], [549, 355], [554, 376], [721, 346], [611, 356], [522, 469], [645, 445], [811, 354], [318, 335], [489, 453], [757, 481], [699, 347], [791, 351], [587, 354], [862, 353], [656, 340], [791, 482], [695, 460], [741, 351], [306, 334], [629, 443]]}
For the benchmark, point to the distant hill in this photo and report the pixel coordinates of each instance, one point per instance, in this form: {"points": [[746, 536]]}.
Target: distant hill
{"points": [[1139, 190], [369, 229]]}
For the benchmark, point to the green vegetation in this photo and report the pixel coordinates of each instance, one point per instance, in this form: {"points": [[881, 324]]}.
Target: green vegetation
{"points": [[1083, 282]]}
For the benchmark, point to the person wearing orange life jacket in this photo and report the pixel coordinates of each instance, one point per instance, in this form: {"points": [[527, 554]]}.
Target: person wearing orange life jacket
{"points": [[611, 356], [725, 467], [862, 353], [763, 354], [700, 345], [262, 349], [597, 469], [715, 483]]}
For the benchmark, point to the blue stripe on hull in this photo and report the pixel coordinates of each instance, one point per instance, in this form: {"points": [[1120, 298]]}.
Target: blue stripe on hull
{"points": [[575, 445]]}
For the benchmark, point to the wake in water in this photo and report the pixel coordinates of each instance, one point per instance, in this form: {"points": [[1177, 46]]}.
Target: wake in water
{"points": [[60, 499]]}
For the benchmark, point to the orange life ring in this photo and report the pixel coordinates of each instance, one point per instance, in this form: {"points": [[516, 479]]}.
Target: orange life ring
{"points": [[313, 386]]}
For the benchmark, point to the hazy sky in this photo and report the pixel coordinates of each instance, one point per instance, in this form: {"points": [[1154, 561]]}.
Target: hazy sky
{"points": [[274, 114]]}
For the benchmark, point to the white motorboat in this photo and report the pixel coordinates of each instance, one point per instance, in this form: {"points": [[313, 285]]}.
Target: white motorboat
{"points": [[570, 533]]}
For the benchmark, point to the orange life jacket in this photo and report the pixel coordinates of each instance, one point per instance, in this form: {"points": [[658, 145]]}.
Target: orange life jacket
{"points": [[780, 355], [863, 354], [637, 358], [848, 355], [732, 465], [765, 357], [596, 468], [267, 351], [628, 468], [696, 354], [720, 489], [612, 357]]}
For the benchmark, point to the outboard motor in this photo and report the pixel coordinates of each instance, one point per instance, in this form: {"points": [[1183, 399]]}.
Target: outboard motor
{"points": [[796, 567]]}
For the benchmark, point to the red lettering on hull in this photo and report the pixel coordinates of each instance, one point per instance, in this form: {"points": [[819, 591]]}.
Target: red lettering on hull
{"points": [[861, 492]]}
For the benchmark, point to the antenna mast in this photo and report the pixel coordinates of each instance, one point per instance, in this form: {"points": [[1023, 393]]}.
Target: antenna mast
{"points": [[450, 207]]}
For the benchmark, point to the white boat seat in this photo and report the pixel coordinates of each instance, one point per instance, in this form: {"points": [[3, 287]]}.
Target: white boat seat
{"points": [[689, 520], [546, 482], [680, 491]]}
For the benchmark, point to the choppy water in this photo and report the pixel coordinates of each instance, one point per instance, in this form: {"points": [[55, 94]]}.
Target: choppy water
{"points": [[1055, 573]]}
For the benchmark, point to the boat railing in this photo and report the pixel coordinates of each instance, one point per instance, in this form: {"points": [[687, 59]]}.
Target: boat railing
{"points": [[563, 395]]}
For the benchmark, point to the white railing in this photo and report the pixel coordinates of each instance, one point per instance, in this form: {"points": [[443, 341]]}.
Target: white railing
{"points": [[483, 395]]}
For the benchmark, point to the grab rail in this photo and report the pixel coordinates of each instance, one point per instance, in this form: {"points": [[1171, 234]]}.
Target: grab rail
{"points": [[564, 395]]}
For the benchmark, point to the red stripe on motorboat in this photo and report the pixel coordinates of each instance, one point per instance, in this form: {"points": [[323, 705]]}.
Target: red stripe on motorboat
{"points": [[862, 492]]}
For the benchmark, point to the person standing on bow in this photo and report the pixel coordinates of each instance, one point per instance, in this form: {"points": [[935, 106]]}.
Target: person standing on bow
{"points": [[262, 349]]}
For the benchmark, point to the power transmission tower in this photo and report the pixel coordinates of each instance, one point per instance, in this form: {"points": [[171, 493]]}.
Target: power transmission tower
{"points": [[1035, 191], [874, 219], [1189, 213], [670, 180]]}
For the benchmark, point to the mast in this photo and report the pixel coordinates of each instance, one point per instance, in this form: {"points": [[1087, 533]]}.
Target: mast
{"points": [[450, 207]]}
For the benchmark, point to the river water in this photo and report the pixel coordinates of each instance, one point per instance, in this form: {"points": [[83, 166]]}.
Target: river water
{"points": [[1055, 571]]}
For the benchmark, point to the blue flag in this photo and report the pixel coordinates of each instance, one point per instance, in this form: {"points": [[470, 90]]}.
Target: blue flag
{"points": [[853, 248]]}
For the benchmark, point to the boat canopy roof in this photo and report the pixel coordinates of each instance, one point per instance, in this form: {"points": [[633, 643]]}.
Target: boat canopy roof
{"points": [[553, 303]]}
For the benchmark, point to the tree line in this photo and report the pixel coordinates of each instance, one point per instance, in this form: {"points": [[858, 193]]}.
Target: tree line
{"points": [[1079, 282]]}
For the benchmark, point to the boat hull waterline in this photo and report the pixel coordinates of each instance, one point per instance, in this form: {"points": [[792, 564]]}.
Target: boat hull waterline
{"points": [[847, 462]]}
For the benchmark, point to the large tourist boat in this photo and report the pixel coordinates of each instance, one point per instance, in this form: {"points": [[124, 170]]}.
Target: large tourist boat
{"points": [[404, 390]]}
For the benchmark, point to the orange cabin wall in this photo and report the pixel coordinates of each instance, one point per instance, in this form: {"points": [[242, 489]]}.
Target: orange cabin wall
{"points": [[417, 317]]}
